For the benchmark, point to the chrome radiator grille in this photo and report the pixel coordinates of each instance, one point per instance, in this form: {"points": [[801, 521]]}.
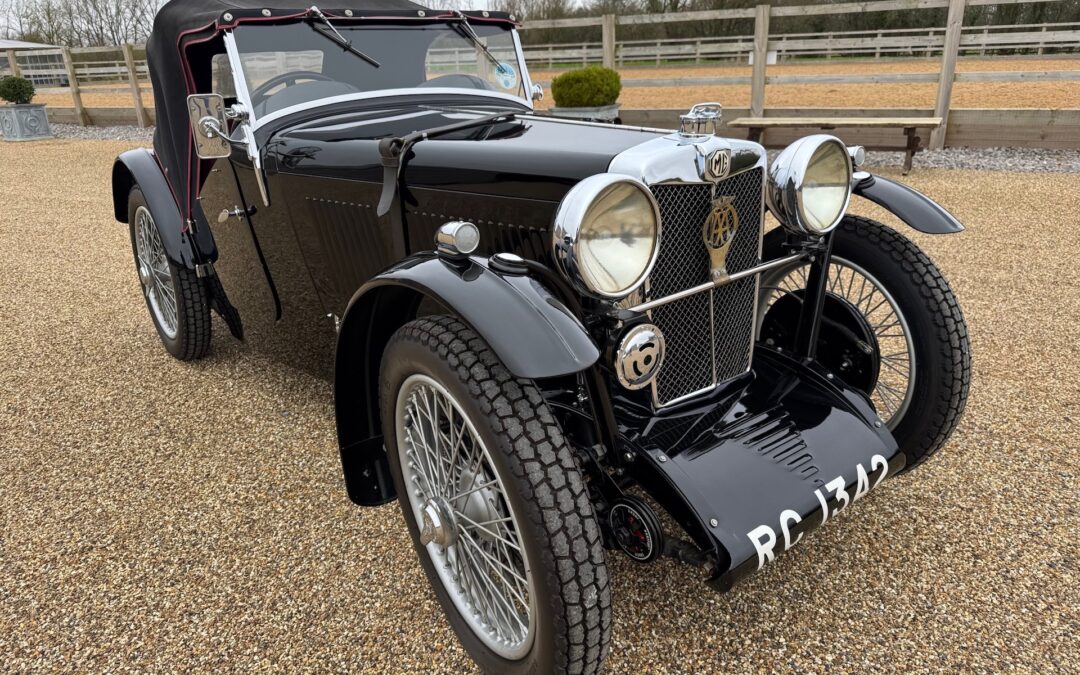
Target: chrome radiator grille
{"points": [[709, 335]]}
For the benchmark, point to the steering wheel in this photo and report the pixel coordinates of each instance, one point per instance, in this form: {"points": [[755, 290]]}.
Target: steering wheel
{"points": [[288, 79]]}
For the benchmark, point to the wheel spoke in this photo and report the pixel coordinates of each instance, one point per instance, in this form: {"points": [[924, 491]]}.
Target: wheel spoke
{"points": [[472, 524], [487, 556], [475, 545], [153, 261], [848, 282], [494, 601], [474, 488], [493, 565]]}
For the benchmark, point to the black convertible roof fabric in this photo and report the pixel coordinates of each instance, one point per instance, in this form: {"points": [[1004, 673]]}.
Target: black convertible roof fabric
{"points": [[186, 35]]}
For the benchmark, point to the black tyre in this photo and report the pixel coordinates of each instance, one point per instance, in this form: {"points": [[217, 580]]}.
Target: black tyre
{"points": [[174, 295], [471, 448], [922, 369]]}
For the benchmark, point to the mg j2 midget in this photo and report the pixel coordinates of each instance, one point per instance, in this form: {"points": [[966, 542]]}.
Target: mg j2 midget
{"points": [[547, 339]]}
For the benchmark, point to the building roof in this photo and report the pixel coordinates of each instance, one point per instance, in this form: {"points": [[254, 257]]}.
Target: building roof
{"points": [[19, 44]]}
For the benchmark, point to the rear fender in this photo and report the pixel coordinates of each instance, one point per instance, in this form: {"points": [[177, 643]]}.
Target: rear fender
{"points": [[909, 205], [140, 167], [533, 334]]}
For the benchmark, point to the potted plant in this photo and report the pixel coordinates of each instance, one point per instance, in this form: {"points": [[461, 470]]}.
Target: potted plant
{"points": [[21, 120], [589, 93]]}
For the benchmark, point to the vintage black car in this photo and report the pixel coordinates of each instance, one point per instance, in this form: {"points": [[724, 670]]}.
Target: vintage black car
{"points": [[547, 338]]}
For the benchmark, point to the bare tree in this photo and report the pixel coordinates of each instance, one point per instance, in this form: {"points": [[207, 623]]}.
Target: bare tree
{"points": [[84, 23]]}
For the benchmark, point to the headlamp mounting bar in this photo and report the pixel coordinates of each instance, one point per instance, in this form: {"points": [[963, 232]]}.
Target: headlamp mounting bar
{"points": [[717, 282]]}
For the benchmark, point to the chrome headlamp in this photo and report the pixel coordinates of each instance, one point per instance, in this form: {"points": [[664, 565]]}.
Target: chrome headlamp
{"points": [[810, 184], [607, 235]]}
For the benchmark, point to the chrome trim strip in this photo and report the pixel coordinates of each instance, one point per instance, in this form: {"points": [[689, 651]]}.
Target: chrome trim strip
{"points": [[383, 93], [722, 281], [237, 65], [757, 278], [246, 127], [523, 68]]}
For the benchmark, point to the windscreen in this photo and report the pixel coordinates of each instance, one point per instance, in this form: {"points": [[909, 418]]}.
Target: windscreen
{"points": [[299, 63]]}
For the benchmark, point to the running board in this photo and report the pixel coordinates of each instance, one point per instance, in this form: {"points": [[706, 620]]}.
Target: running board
{"points": [[750, 471]]}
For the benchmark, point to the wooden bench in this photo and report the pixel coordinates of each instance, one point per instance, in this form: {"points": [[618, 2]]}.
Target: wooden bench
{"points": [[758, 125]]}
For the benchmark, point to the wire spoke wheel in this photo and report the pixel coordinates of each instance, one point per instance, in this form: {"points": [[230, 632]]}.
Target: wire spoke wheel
{"points": [[467, 524], [895, 385], [154, 272]]}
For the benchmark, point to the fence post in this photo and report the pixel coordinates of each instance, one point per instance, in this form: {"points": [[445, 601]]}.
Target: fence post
{"points": [[73, 85], [954, 25], [761, 56], [133, 80], [13, 63], [607, 29]]}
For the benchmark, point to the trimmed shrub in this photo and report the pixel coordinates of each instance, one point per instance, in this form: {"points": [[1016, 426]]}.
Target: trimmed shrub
{"points": [[589, 87], [17, 90]]}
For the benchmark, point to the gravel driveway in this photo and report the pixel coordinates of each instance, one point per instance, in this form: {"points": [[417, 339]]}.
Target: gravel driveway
{"points": [[163, 516]]}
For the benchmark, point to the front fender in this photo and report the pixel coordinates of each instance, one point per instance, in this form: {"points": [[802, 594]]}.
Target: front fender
{"points": [[532, 333], [909, 205], [140, 167]]}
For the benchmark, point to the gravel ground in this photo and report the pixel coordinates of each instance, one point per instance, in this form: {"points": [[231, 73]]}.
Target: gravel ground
{"points": [[997, 159], [95, 133], [163, 516]]}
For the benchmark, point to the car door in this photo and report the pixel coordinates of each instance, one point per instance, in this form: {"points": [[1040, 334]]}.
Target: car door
{"points": [[261, 268]]}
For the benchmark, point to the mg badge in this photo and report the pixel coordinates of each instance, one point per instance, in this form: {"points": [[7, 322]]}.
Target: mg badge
{"points": [[719, 231], [718, 165]]}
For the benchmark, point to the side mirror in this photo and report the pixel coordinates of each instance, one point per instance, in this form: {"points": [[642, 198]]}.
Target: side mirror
{"points": [[537, 92], [207, 115]]}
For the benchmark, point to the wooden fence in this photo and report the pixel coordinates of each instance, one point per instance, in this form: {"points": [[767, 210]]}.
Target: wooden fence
{"points": [[948, 43], [89, 70], [1035, 39]]}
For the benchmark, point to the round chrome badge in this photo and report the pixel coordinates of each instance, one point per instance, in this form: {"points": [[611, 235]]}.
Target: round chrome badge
{"points": [[640, 355]]}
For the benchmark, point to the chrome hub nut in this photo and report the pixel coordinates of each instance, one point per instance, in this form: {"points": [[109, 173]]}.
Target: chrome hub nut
{"points": [[437, 524]]}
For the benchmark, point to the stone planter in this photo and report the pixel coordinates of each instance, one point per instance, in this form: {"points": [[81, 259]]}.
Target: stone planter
{"points": [[26, 122], [604, 113]]}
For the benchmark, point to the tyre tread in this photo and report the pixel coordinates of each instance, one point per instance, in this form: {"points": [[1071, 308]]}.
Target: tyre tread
{"points": [[951, 330], [546, 472], [195, 333]]}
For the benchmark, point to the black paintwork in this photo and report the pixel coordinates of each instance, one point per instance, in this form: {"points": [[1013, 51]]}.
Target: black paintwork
{"points": [[528, 158], [322, 237], [532, 332], [909, 205], [319, 252], [846, 344], [752, 450]]}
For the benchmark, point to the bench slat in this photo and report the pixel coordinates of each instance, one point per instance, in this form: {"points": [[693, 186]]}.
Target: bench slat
{"points": [[793, 122]]}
